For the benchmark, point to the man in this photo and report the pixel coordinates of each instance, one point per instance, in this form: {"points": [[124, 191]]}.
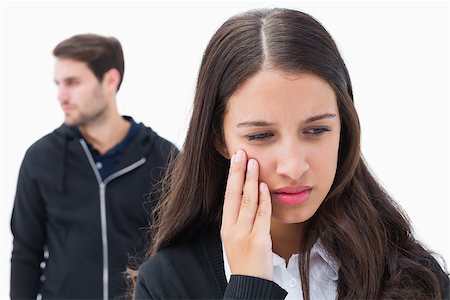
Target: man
{"points": [[79, 212]]}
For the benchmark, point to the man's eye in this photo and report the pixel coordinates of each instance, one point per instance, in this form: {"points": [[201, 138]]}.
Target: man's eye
{"points": [[315, 131], [259, 136], [72, 82]]}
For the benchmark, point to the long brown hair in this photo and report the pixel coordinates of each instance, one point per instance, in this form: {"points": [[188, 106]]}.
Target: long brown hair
{"points": [[358, 223]]}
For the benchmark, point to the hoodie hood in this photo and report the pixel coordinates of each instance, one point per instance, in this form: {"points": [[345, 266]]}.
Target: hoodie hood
{"points": [[70, 137]]}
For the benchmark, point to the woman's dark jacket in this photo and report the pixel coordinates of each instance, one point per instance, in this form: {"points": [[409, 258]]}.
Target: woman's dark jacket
{"points": [[195, 270]]}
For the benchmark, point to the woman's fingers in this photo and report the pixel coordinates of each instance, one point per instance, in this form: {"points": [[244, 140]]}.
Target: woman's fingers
{"points": [[245, 201], [264, 212], [246, 220], [249, 203], [233, 193]]}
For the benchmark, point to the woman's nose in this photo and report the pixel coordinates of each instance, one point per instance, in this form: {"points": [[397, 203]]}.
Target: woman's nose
{"points": [[292, 161]]}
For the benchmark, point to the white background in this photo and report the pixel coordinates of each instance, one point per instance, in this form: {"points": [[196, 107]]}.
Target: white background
{"points": [[396, 52]]}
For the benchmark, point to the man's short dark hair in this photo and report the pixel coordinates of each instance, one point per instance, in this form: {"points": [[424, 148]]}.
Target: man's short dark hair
{"points": [[100, 53]]}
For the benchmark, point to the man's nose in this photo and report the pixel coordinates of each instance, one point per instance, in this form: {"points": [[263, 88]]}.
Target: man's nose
{"points": [[63, 95]]}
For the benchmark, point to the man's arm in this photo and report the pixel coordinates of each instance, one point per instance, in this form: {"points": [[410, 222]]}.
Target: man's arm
{"points": [[28, 226]]}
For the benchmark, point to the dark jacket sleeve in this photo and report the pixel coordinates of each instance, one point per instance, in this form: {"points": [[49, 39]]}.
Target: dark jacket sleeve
{"points": [[247, 287], [28, 229], [240, 287], [141, 291]]}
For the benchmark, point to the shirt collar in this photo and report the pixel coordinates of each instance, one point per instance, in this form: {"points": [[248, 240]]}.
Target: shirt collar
{"points": [[320, 251], [316, 250]]}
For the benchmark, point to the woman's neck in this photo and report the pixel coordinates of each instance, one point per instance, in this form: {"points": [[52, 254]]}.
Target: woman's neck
{"points": [[285, 238]]}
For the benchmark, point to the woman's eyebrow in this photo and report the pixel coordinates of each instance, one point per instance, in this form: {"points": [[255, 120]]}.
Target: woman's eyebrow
{"points": [[255, 124], [261, 123], [320, 117]]}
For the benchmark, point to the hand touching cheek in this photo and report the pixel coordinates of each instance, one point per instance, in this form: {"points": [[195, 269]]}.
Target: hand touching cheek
{"points": [[246, 220]]}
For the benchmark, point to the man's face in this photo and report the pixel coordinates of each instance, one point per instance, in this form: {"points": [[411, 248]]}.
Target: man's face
{"points": [[80, 94]]}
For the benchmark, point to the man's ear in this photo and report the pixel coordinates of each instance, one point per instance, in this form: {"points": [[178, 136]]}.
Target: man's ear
{"points": [[112, 78], [220, 147]]}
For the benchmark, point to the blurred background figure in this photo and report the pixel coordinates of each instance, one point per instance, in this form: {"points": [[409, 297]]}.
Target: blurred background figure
{"points": [[80, 207]]}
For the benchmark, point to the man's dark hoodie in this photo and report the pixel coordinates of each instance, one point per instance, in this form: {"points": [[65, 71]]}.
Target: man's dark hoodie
{"points": [[86, 227]]}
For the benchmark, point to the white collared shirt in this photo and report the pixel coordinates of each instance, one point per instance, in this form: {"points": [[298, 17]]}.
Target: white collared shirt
{"points": [[322, 278]]}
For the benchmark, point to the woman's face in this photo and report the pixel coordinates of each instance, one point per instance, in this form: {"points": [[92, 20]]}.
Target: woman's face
{"points": [[290, 124]]}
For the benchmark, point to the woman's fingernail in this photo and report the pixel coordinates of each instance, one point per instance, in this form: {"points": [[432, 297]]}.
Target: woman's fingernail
{"points": [[262, 187], [239, 156], [251, 164], [233, 159]]}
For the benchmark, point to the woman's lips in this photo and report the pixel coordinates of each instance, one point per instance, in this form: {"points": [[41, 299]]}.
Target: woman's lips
{"points": [[292, 195]]}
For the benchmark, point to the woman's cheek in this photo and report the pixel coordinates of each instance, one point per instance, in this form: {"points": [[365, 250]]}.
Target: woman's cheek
{"points": [[264, 159], [323, 164]]}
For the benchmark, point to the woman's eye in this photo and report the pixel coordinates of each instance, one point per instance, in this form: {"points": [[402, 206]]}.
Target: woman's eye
{"points": [[259, 136], [315, 131]]}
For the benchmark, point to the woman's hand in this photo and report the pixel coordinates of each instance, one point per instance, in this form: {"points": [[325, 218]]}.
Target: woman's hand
{"points": [[246, 218]]}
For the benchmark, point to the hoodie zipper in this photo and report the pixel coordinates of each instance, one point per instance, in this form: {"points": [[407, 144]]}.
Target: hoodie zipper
{"points": [[102, 191]]}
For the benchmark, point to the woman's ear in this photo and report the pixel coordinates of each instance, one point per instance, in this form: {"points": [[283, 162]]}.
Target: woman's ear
{"points": [[220, 147]]}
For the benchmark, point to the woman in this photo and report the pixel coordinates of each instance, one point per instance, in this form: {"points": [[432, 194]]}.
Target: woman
{"points": [[271, 197]]}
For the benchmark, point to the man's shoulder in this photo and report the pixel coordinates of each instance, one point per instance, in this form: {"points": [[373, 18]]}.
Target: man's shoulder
{"points": [[148, 132], [45, 141], [49, 142], [156, 143]]}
